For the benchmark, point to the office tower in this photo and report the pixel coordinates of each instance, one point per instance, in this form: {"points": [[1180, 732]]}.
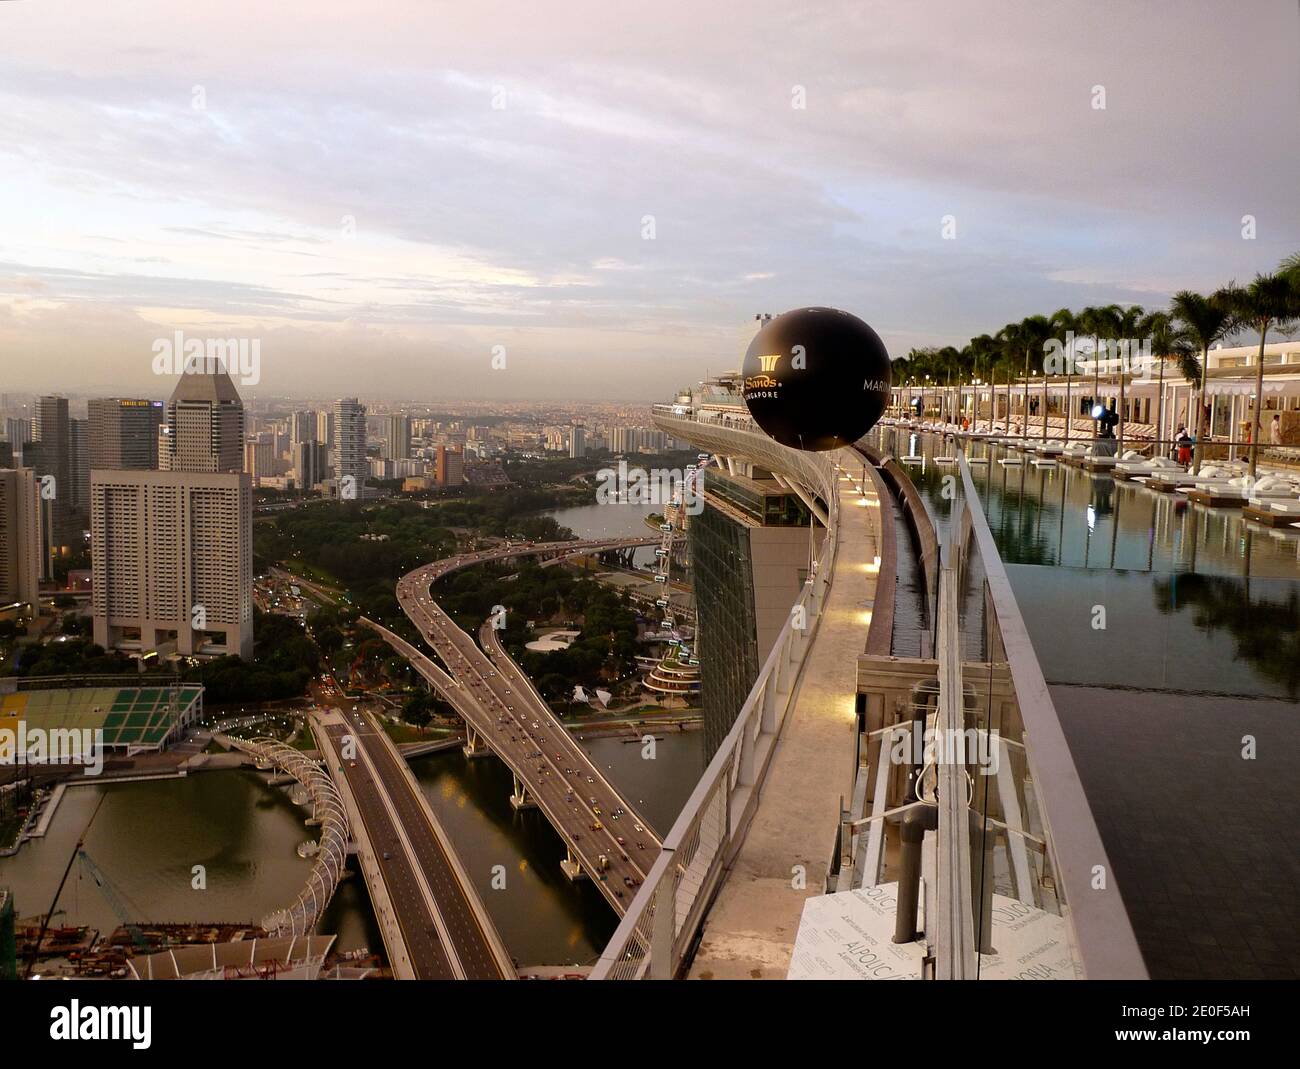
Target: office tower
{"points": [[449, 467], [172, 550], [124, 433], [259, 461], [578, 442], [204, 430], [325, 428], [20, 537], [302, 428], [79, 464], [49, 455], [18, 432], [397, 437], [310, 464], [349, 450], [279, 442], [7, 455], [749, 558]]}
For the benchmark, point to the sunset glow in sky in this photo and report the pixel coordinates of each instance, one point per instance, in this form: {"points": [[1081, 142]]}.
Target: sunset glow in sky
{"points": [[383, 192]]}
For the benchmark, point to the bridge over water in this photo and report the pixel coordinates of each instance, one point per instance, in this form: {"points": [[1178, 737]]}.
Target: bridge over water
{"points": [[605, 837]]}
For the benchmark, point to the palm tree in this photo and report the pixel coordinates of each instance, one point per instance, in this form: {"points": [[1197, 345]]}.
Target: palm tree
{"points": [[1011, 339], [1126, 328], [947, 363], [984, 354], [1065, 325], [1205, 321], [1168, 342], [1269, 301], [1034, 332], [961, 375], [1290, 268], [1102, 321]]}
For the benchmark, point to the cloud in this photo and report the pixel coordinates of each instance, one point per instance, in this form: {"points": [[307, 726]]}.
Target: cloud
{"points": [[421, 180]]}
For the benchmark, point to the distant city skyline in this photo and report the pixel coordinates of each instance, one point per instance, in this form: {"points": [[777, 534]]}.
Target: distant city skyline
{"points": [[602, 203]]}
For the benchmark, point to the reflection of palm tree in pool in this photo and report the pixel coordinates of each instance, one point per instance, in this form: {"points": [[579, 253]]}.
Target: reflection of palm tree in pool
{"points": [[1266, 629]]}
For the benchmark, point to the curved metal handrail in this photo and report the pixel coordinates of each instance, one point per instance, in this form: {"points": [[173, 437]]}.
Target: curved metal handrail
{"points": [[301, 916]]}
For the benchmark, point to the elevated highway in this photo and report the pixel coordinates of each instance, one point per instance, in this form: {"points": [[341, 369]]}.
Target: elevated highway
{"points": [[605, 837]]}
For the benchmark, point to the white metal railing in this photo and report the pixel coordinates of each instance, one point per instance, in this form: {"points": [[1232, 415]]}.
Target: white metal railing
{"points": [[663, 918], [301, 916], [1032, 820]]}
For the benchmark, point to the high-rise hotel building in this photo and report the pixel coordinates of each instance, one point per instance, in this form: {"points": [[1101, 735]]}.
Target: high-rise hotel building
{"points": [[172, 550], [750, 552]]}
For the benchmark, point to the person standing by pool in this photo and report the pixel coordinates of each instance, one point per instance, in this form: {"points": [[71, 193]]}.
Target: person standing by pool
{"points": [[1275, 430], [1184, 442]]}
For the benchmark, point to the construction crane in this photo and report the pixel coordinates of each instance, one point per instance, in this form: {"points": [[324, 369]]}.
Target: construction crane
{"points": [[113, 897], [101, 881], [49, 913]]}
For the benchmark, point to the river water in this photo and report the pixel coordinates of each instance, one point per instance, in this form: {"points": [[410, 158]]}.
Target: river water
{"points": [[614, 520]]}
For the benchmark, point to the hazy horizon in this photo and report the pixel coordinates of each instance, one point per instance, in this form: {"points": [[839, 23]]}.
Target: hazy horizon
{"points": [[384, 195]]}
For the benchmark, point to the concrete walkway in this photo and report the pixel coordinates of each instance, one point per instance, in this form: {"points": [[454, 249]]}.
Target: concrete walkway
{"points": [[750, 931]]}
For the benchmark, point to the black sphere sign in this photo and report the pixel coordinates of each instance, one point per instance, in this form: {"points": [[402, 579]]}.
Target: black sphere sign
{"points": [[816, 378]]}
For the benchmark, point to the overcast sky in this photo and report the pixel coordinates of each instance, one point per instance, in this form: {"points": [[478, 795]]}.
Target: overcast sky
{"points": [[383, 191]]}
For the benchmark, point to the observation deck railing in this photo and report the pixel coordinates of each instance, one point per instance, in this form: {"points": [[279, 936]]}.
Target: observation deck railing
{"points": [[662, 920], [1016, 836]]}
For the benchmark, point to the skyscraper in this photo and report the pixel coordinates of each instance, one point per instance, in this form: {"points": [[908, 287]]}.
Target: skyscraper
{"points": [[749, 555], [79, 465], [49, 455], [449, 466], [172, 549], [20, 537], [578, 442], [124, 433], [259, 460], [325, 427], [397, 437], [18, 432], [302, 428], [349, 451], [310, 464], [205, 425]]}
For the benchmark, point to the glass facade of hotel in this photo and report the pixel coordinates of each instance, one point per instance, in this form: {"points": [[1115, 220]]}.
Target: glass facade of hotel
{"points": [[722, 563]]}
